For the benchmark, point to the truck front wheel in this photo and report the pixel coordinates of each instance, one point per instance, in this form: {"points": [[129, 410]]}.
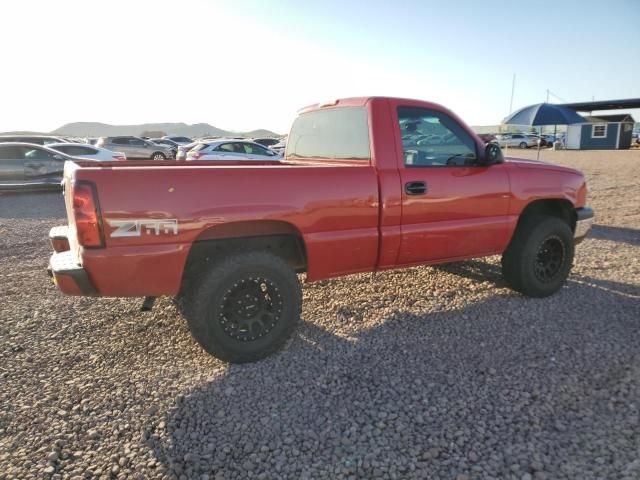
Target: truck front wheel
{"points": [[245, 307], [539, 257]]}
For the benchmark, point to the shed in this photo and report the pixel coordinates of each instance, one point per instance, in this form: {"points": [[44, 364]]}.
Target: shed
{"points": [[602, 132]]}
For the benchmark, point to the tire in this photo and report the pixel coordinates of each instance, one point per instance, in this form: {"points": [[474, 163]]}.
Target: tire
{"points": [[158, 156], [523, 145], [539, 258], [245, 307]]}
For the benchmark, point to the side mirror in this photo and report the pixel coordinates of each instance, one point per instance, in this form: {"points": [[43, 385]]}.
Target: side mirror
{"points": [[59, 157], [492, 155]]}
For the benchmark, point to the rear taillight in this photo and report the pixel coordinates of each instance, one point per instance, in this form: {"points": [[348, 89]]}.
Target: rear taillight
{"points": [[87, 214], [196, 156], [121, 158]]}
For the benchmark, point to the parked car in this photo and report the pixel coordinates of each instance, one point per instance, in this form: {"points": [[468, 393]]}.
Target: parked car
{"points": [[30, 166], [90, 152], [184, 149], [547, 140], [280, 147], [267, 142], [34, 139], [231, 150], [230, 242], [135, 147], [520, 140], [169, 143], [179, 140]]}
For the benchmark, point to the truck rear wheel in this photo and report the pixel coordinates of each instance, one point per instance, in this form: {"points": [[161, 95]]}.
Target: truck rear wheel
{"points": [[245, 307], [539, 257]]}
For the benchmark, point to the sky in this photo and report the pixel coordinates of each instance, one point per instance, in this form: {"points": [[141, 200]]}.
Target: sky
{"points": [[242, 65]]}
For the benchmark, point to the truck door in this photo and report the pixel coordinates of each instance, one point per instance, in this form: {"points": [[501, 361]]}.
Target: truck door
{"points": [[451, 206]]}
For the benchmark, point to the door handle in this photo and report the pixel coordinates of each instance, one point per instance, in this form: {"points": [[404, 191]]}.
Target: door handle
{"points": [[415, 188]]}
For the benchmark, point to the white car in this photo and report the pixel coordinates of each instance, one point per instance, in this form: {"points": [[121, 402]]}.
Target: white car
{"points": [[231, 149], [520, 140], [90, 152]]}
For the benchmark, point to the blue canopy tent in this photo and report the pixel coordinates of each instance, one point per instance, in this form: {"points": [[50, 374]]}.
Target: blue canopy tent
{"points": [[543, 114]]}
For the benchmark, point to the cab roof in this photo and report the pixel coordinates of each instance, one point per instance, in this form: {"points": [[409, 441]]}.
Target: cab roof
{"points": [[362, 101]]}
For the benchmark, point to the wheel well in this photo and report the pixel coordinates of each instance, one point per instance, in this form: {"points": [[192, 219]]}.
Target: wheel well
{"points": [[555, 207], [205, 250]]}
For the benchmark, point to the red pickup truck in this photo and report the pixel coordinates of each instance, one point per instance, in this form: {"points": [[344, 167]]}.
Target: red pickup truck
{"points": [[367, 184]]}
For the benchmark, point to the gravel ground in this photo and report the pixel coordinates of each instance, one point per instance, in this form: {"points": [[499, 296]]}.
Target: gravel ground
{"points": [[422, 373]]}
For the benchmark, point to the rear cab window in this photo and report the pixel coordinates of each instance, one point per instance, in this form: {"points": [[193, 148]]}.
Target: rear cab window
{"points": [[337, 134]]}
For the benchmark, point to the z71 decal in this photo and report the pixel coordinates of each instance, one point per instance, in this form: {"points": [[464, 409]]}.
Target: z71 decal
{"points": [[150, 226]]}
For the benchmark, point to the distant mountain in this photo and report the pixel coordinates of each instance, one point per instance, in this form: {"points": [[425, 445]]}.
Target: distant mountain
{"points": [[95, 129], [260, 133]]}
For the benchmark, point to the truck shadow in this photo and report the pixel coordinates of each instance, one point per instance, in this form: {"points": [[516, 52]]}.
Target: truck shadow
{"points": [[477, 270], [616, 234], [399, 393]]}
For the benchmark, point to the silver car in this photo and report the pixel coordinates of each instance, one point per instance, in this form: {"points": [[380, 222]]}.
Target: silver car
{"points": [[35, 139], [90, 152], [136, 147], [520, 140], [30, 166], [231, 150], [177, 139]]}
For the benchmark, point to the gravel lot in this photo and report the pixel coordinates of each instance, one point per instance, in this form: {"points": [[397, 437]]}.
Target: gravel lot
{"points": [[423, 373]]}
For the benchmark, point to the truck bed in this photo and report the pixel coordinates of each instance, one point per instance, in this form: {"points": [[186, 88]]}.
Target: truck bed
{"points": [[153, 212]]}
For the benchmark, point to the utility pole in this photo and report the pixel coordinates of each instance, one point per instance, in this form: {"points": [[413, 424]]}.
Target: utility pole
{"points": [[547, 95]]}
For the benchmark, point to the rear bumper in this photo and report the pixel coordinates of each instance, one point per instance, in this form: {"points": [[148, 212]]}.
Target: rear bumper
{"points": [[68, 276], [584, 221], [126, 271]]}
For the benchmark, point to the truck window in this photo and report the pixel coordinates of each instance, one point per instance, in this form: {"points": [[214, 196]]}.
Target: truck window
{"points": [[433, 139], [337, 133]]}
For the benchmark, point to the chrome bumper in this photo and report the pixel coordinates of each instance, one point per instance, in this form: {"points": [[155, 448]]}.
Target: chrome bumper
{"points": [[584, 221]]}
